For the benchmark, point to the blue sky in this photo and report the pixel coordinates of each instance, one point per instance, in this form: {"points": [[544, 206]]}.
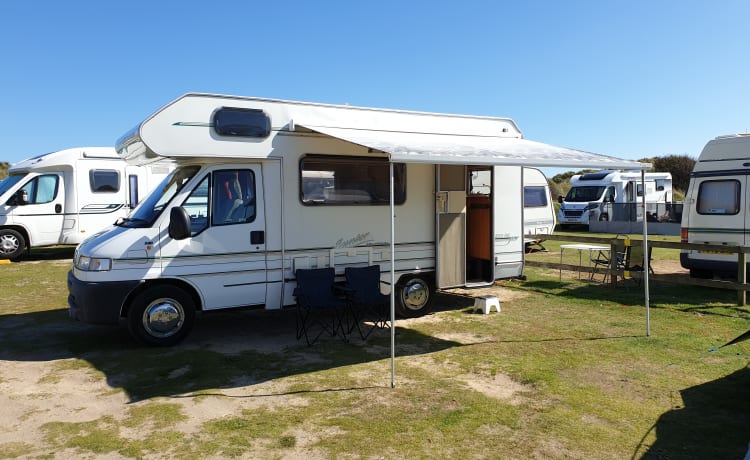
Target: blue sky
{"points": [[628, 79]]}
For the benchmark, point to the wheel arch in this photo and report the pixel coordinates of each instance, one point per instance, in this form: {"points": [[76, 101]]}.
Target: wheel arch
{"points": [[148, 284]]}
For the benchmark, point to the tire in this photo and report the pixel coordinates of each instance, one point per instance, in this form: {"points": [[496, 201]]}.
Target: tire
{"points": [[12, 244], [414, 296], [701, 274], [603, 218], [161, 316]]}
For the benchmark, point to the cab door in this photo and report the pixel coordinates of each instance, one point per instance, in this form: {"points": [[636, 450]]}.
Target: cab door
{"points": [[41, 211], [224, 258]]}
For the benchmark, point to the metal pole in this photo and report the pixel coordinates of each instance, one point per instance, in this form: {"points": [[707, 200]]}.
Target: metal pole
{"points": [[645, 253], [393, 282]]}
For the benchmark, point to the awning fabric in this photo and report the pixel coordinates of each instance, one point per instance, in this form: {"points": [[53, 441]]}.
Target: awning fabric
{"points": [[414, 147]]}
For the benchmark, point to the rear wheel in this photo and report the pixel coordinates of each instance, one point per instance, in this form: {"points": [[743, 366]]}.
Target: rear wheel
{"points": [[12, 244], [414, 295], [161, 316]]}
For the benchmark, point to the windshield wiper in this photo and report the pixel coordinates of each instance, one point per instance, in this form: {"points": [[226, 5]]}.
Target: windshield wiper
{"points": [[123, 220]]}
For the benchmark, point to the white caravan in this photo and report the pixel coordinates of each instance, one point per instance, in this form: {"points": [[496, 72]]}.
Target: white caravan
{"points": [[538, 209], [715, 209], [614, 196], [63, 197], [264, 187]]}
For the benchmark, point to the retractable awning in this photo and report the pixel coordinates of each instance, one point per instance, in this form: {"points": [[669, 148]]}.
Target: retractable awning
{"points": [[419, 147]]}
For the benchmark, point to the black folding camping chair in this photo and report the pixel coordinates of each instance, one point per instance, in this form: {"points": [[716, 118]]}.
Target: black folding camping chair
{"points": [[321, 304]]}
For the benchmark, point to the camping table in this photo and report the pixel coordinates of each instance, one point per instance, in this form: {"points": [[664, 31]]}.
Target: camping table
{"points": [[581, 247]]}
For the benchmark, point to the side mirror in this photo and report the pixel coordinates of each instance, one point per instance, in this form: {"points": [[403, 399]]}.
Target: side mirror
{"points": [[559, 199], [179, 223], [20, 198]]}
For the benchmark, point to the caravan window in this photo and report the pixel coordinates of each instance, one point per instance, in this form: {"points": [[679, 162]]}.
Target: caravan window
{"points": [[230, 121], [719, 197], [336, 180], [534, 196], [104, 180]]}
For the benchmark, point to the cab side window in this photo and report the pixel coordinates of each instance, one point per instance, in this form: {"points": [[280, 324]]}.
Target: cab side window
{"points": [[196, 206], [41, 189], [233, 197]]}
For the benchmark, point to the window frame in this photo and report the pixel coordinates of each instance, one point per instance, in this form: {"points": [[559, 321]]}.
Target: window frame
{"points": [[222, 127], [92, 180], [737, 198], [400, 179]]}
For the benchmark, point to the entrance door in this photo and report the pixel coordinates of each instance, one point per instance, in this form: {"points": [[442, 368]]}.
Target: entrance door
{"points": [[451, 225], [480, 265]]}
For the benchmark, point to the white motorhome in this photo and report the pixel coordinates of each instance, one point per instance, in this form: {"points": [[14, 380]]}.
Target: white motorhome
{"points": [[538, 209], [614, 196], [715, 208], [264, 187], [65, 196]]}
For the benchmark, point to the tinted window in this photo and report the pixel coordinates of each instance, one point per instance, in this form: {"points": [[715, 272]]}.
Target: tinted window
{"points": [[534, 197], [242, 122], [719, 197], [103, 180], [333, 180]]}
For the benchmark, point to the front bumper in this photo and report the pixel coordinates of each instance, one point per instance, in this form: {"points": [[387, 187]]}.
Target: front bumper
{"points": [[97, 303]]}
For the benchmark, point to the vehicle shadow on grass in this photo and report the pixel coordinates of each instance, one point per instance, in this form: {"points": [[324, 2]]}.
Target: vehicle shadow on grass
{"points": [[225, 350], [711, 422], [695, 299]]}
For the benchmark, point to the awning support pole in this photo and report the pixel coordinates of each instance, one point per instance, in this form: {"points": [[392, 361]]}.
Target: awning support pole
{"points": [[393, 281], [646, 260]]}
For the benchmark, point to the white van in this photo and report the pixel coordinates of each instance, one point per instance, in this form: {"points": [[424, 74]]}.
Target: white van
{"points": [[614, 196], [538, 209], [264, 187], [63, 197], [715, 209]]}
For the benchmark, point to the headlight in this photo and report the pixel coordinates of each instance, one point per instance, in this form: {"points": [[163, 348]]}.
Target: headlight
{"points": [[93, 264], [591, 206]]}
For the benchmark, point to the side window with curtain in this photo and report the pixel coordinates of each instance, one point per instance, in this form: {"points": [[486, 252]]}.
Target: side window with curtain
{"points": [[42, 189], [233, 197], [719, 197]]}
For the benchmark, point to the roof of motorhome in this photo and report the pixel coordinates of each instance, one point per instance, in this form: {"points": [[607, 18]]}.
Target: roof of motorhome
{"points": [[183, 129], [727, 147], [64, 157]]}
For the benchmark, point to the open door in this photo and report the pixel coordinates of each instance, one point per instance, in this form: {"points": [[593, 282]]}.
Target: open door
{"points": [[465, 250], [480, 269], [451, 225]]}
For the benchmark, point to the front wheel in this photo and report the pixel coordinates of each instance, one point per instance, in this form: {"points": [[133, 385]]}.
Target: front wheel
{"points": [[161, 316], [12, 244], [603, 218], [414, 295]]}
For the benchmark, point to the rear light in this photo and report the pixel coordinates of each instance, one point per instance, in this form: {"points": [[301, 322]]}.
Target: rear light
{"points": [[684, 235]]}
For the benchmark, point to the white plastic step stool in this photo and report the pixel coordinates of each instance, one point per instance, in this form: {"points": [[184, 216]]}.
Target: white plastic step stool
{"points": [[485, 303]]}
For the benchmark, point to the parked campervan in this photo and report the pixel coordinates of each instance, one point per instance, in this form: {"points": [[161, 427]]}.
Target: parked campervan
{"points": [[538, 209], [715, 209], [265, 187], [614, 196], [65, 196]]}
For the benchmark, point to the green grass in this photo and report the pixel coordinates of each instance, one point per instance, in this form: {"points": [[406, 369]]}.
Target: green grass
{"points": [[564, 371]]}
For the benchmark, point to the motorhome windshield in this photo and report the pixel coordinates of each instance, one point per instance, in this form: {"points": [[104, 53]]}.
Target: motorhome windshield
{"points": [[8, 183], [146, 213], [584, 194]]}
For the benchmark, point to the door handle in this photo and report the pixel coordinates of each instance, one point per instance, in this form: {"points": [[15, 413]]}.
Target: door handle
{"points": [[58, 208], [257, 237]]}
